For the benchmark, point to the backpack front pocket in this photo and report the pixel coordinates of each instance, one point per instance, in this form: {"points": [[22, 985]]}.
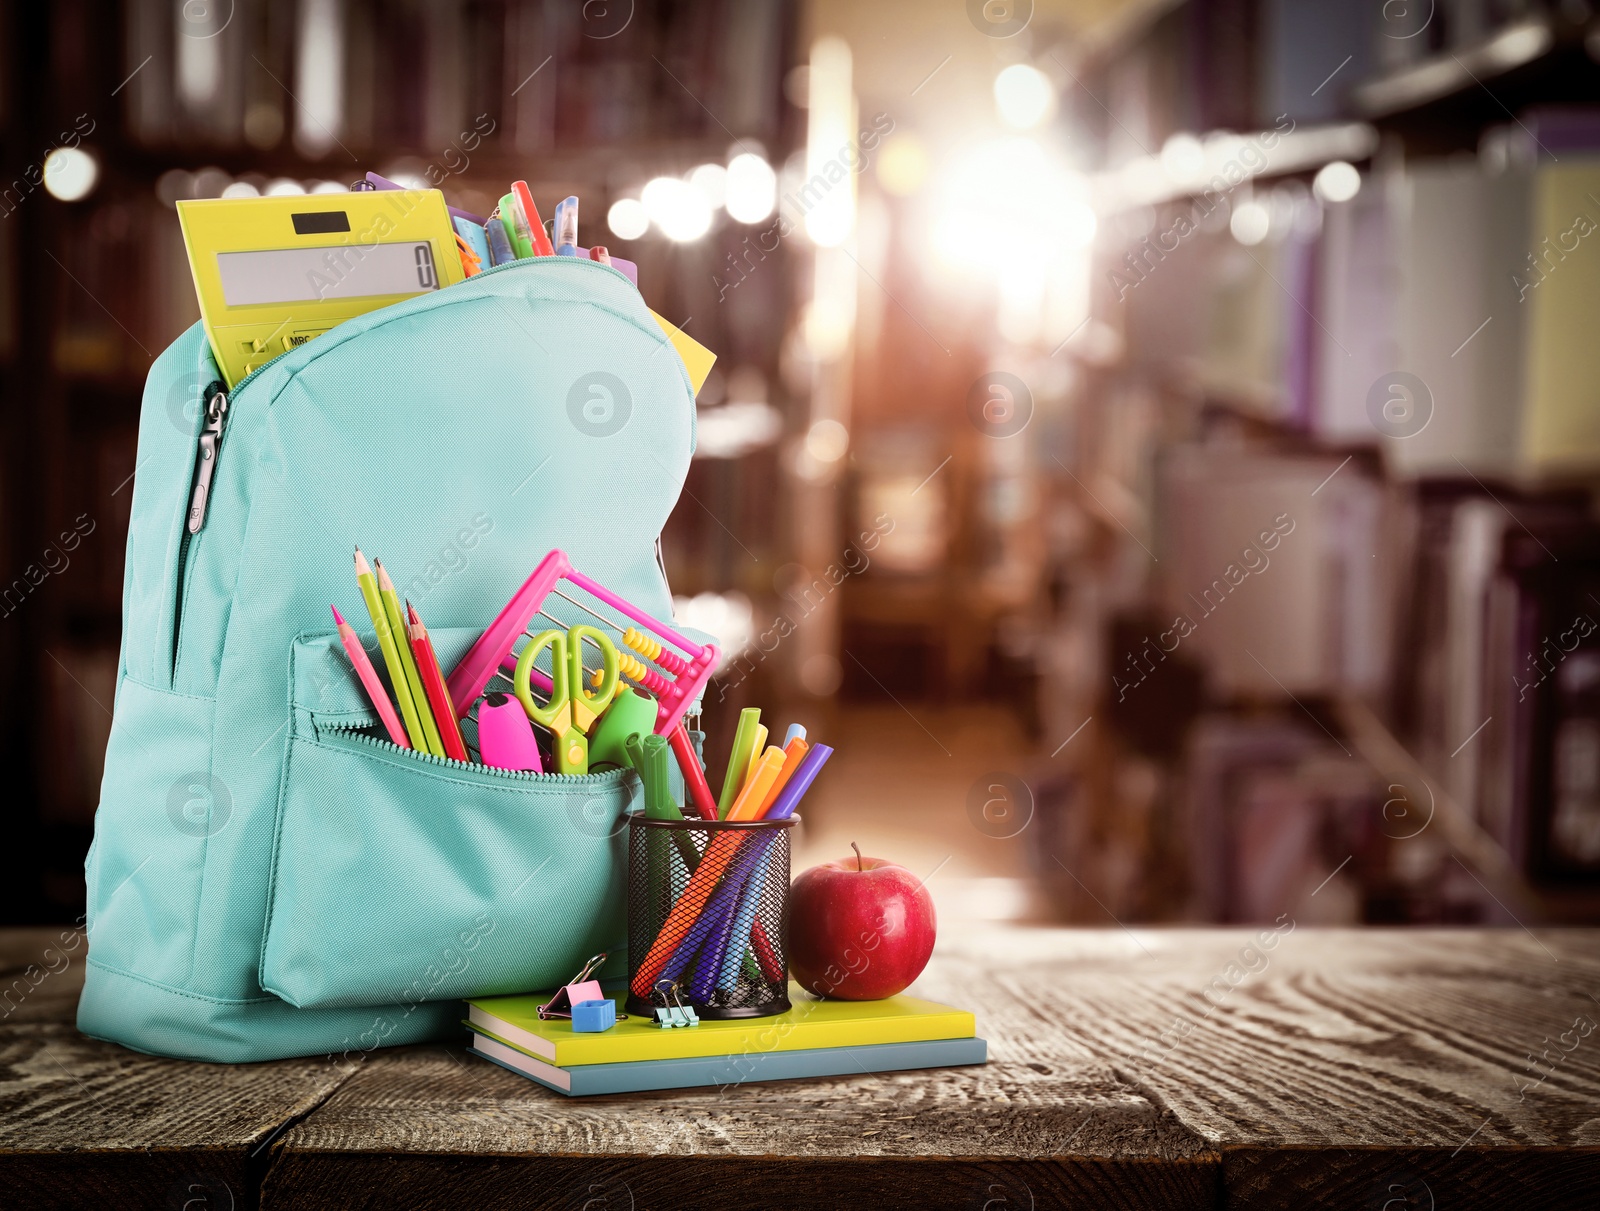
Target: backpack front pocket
{"points": [[400, 878]]}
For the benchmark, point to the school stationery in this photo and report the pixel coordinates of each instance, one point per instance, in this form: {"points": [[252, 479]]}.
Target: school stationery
{"points": [[631, 712], [500, 250], [389, 644], [566, 240], [571, 708], [675, 687], [592, 1017], [589, 1080], [439, 706], [697, 359], [793, 753], [476, 239], [600, 253], [505, 736], [671, 1012], [368, 884], [751, 795], [369, 680], [390, 601], [694, 774], [374, 181], [744, 738], [795, 731], [582, 987], [686, 927], [528, 214], [796, 787], [470, 264], [757, 749], [273, 273], [809, 1023]]}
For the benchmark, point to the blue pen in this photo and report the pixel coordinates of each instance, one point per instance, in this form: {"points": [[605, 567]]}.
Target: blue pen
{"points": [[500, 251], [567, 227]]}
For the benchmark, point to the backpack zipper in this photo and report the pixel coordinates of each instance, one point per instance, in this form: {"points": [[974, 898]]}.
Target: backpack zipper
{"points": [[209, 447], [205, 463], [347, 731]]}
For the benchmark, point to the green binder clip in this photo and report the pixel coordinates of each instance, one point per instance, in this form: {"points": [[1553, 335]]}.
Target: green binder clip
{"points": [[672, 1012]]}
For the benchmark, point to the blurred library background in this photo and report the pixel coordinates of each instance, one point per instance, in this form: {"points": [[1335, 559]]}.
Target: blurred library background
{"points": [[1158, 440]]}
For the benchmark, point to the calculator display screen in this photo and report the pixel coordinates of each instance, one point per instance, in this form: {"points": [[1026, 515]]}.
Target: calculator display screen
{"points": [[309, 275]]}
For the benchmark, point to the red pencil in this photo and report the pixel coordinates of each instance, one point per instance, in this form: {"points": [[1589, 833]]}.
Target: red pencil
{"points": [[369, 679], [433, 682]]}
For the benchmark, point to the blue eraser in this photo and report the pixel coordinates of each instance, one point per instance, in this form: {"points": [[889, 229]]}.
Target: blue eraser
{"points": [[591, 1017]]}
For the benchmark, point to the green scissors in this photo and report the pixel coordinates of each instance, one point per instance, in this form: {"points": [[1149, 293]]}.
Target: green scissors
{"points": [[572, 708]]}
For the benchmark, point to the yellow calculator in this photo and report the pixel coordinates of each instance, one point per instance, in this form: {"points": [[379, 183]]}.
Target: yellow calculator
{"points": [[274, 273]]}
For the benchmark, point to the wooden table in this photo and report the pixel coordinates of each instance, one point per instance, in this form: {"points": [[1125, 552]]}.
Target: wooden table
{"points": [[1160, 1068]]}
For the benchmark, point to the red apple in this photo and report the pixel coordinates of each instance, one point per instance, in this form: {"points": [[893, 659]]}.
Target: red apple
{"points": [[859, 929]]}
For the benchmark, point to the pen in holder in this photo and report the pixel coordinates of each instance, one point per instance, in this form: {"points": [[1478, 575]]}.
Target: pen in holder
{"points": [[706, 900]]}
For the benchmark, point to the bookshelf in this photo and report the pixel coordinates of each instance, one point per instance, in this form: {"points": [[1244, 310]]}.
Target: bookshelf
{"points": [[1251, 351], [185, 100]]}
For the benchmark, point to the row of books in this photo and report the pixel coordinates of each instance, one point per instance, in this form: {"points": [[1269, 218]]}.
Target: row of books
{"points": [[814, 1038], [327, 76]]}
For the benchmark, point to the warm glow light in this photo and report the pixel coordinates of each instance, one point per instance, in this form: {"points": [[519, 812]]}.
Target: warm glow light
{"points": [[70, 173], [284, 186], [1249, 223], [241, 189], [712, 182], [752, 188], [677, 208], [831, 153], [628, 219], [1337, 182], [1006, 199], [902, 165], [827, 440], [1024, 96], [1183, 159]]}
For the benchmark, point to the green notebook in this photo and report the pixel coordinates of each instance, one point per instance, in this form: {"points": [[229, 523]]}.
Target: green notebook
{"points": [[810, 1023]]}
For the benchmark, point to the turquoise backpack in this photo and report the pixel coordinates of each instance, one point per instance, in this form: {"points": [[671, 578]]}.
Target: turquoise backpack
{"points": [[269, 878]]}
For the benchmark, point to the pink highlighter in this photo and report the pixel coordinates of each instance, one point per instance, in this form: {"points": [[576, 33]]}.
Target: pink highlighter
{"points": [[505, 735]]}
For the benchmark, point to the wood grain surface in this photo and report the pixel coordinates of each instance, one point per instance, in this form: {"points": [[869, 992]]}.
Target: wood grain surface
{"points": [[1130, 1069]]}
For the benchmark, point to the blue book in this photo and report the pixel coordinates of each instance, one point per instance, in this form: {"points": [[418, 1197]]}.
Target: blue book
{"points": [[585, 1080]]}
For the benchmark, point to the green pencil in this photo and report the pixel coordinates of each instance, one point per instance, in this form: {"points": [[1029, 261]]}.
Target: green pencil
{"points": [[419, 696], [391, 653]]}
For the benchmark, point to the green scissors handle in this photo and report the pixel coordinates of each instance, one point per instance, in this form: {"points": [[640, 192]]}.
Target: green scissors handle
{"points": [[573, 705]]}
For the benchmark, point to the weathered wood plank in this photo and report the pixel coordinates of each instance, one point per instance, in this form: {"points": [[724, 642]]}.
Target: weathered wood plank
{"points": [[87, 1123], [1338, 1063], [454, 1128], [1157, 1068]]}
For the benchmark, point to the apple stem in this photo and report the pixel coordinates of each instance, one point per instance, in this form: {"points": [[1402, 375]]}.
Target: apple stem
{"points": [[857, 848]]}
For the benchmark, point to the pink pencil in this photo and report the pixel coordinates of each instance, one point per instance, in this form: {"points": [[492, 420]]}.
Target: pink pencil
{"points": [[369, 678]]}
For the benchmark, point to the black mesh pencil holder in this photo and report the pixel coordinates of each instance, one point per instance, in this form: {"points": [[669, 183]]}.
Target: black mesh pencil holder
{"points": [[705, 911]]}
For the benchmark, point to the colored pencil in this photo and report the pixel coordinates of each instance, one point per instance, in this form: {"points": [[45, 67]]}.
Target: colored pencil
{"points": [[369, 679], [419, 696], [444, 714], [389, 643]]}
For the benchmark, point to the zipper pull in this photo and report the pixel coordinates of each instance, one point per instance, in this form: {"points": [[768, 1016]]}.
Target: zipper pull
{"points": [[205, 465]]}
